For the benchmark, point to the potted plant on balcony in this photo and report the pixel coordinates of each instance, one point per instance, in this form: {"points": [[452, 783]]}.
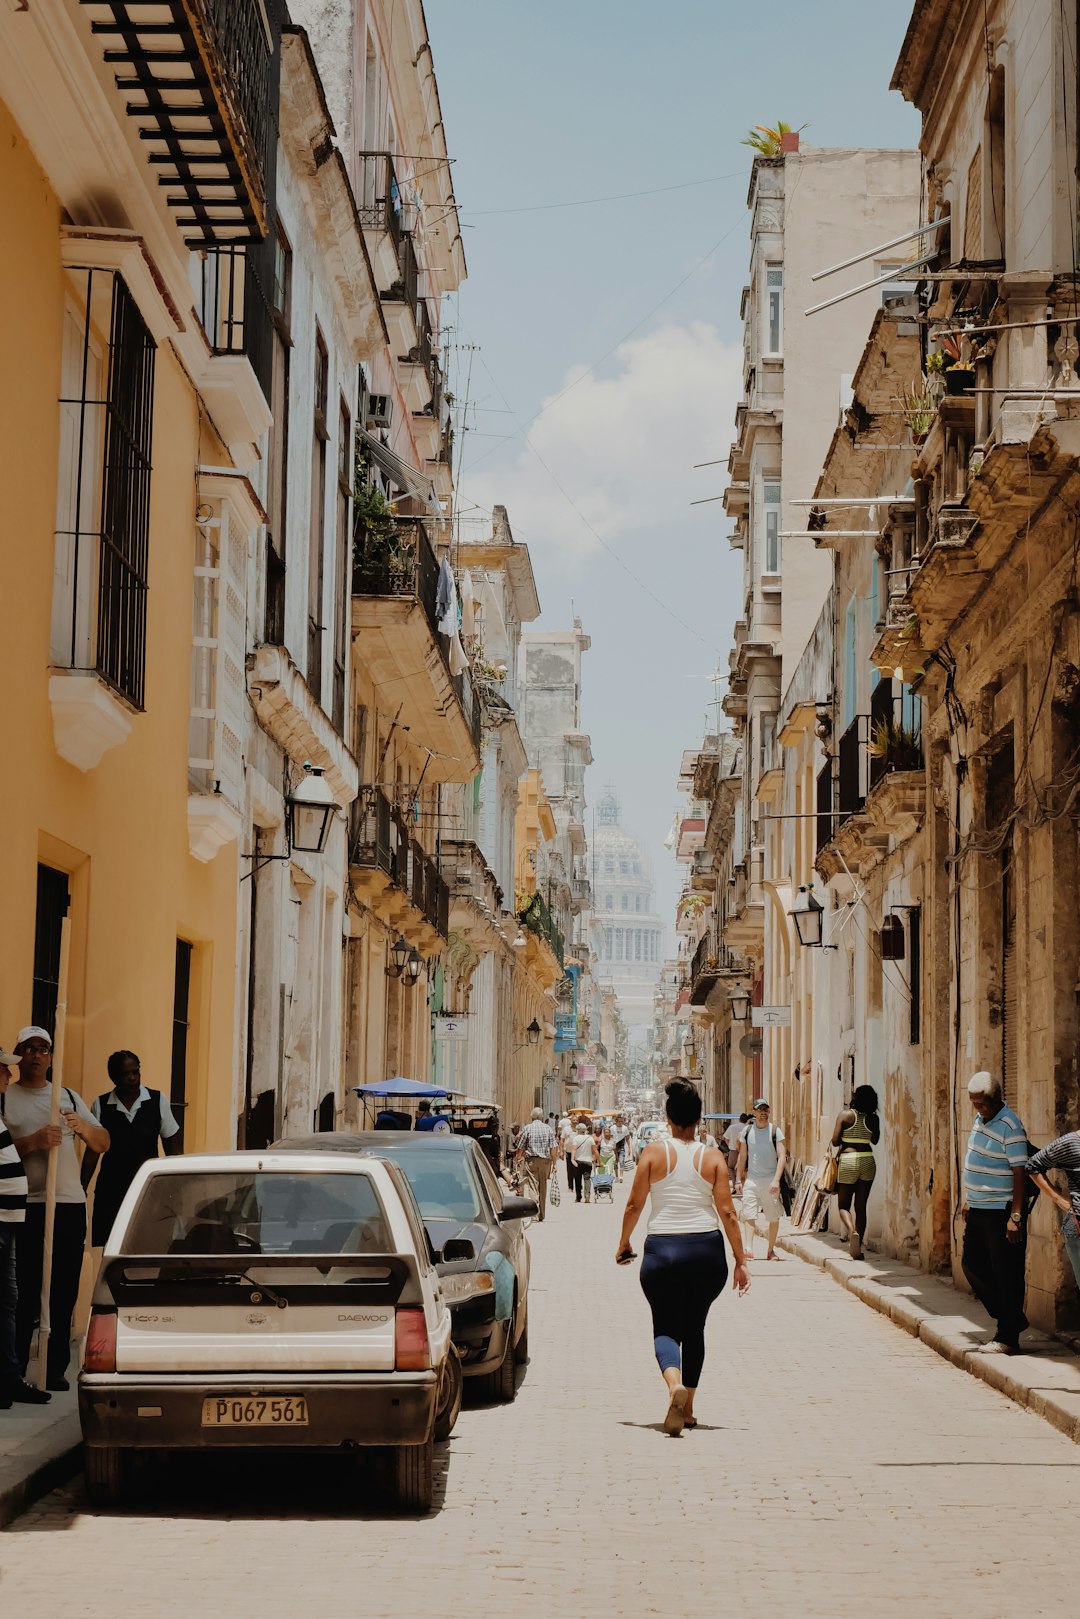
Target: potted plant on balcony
{"points": [[919, 407], [897, 747], [377, 557]]}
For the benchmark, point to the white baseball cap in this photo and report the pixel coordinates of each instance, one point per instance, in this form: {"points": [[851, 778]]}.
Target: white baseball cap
{"points": [[34, 1032], [8, 1059]]}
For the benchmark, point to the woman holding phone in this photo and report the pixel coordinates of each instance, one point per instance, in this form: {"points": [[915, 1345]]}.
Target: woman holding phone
{"points": [[684, 1264]]}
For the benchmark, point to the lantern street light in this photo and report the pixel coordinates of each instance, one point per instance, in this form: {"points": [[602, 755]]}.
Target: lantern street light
{"points": [[739, 1001], [399, 956], [808, 915], [414, 966], [311, 809], [533, 1032]]}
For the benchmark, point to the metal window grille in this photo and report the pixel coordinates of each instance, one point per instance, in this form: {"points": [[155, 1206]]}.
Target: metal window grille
{"points": [[52, 906], [106, 432]]}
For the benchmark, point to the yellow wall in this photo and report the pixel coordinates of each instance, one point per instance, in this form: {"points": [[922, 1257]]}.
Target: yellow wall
{"points": [[120, 829]]}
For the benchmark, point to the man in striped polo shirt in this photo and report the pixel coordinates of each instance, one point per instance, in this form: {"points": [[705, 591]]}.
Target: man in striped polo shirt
{"points": [[12, 1215], [995, 1235]]}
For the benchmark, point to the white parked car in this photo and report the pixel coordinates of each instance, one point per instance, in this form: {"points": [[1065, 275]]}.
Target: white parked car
{"points": [[267, 1300]]}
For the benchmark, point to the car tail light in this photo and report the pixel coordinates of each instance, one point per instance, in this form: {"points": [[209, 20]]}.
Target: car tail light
{"points": [[101, 1342], [411, 1352]]}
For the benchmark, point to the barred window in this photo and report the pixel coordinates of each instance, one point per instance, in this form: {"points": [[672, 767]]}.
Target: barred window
{"points": [[103, 487]]}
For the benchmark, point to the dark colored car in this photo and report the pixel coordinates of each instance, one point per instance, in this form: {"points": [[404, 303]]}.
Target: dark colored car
{"points": [[461, 1199]]}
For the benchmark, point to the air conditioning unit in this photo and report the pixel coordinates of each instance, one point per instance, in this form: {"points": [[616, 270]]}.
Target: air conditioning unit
{"points": [[380, 409]]}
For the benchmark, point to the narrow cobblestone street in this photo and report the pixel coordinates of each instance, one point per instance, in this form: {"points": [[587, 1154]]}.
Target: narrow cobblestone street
{"points": [[831, 1443]]}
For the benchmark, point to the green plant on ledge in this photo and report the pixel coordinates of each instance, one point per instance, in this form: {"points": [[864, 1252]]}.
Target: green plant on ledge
{"points": [[377, 556], [766, 141], [897, 746]]}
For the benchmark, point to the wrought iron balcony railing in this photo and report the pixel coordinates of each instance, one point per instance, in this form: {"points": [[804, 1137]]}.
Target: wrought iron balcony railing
{"points": [[200, 79], [380, 205], [394, 557], [536, 915]]}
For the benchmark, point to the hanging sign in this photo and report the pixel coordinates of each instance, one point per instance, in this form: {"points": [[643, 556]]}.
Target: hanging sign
{"points": [[451, 1028], [770, 1017]]}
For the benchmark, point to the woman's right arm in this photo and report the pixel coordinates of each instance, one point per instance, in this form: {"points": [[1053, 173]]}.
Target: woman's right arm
{"points": [[635, 1203], [843, 1119], [728, 1218]]}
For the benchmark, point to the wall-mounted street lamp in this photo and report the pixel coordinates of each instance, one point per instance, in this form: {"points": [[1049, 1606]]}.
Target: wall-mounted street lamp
{"points": [[808, 915], [311, 810], [405, 963], [573, 1070], [533, 1033], [739, 1001]]}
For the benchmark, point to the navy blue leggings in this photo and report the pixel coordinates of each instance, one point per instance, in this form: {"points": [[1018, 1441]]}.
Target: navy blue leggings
{"points": [[682, 1276]]}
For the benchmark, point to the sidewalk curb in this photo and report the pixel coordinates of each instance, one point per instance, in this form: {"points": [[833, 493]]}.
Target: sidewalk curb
{"points": [[1028, 1379], [43, 1475]]}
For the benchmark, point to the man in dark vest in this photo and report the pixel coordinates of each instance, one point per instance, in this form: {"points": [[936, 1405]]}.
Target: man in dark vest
{"points": [[136, 1119]]}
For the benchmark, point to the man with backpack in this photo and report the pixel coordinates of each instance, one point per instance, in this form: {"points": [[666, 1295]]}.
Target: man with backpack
{"points": [[762, 1157]]}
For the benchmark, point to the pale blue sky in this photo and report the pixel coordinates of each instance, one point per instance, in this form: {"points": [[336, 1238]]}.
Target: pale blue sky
{"points": [[561, 101]]}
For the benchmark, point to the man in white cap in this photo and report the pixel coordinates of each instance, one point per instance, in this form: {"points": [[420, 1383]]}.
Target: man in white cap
{"points": [[27, 1110], [13, 1387]]}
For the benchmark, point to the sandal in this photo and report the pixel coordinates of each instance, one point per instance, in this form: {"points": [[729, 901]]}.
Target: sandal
{"points": [[689, 1422], [675, 1421]]}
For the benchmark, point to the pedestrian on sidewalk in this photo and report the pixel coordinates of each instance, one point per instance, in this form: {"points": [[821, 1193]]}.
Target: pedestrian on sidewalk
{"points": [[136, 1119], [566, 1137], [584, 1147], [683, 1265], [855, 1135], [762, 1156], [732, 1138], [14, 1390], [27, 1109], [995, 1233], [540, 1148], [1063, 1154], [621, 1133]]}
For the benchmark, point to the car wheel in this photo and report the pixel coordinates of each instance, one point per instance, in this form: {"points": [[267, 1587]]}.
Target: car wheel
{"points": [[414, 1468], [521, 1348], [501, 1383], [450, 1406], [106, 1469]]}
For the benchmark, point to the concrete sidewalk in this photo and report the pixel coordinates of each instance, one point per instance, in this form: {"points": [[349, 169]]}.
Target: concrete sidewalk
{"points": [[40, 1447], [1045, 1377]]}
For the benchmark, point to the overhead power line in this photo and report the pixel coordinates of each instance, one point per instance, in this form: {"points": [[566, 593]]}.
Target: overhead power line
{"points": [[616, 196]]}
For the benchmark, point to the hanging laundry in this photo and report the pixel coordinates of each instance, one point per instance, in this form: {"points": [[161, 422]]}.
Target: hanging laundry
{"points": [[468, 605], [458, 661], [446, 600], [496, 640]]}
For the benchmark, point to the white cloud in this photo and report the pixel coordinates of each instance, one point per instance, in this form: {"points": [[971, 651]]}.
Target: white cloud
{"points": [[623, 444]]}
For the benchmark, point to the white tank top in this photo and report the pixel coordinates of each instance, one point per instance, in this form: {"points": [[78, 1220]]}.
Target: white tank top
{"points": [[682, 1203]]}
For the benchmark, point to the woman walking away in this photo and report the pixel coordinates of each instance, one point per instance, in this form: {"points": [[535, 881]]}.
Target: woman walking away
{"points": [[857, 1130], [684, 1265]]}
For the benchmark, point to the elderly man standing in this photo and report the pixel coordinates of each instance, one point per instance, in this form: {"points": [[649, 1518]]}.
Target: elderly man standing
{"points": [[539, 1145], [14, 1390], [995, 1233], [28, 1113]]}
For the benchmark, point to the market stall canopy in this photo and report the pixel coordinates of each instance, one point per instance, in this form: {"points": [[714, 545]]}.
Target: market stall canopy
{"points": [[400, 1087]]}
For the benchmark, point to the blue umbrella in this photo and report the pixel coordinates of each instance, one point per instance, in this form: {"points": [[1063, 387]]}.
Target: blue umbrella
{"points": [[400, 1087]]}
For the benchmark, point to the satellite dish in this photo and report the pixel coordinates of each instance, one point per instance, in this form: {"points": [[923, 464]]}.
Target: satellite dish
{"points": [[752, 1044]]}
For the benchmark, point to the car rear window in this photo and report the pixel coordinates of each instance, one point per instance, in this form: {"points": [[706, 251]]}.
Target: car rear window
{"points": [[247, 1211], [442, 1182]]}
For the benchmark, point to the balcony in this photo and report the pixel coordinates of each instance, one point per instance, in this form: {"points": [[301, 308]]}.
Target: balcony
{"points": [[382, 213], [703, 871], [713, 966], [395, 633], [393, 875], [416, 368], [580, 894], [200, 82], [536, 915], [234, 309], [401, 302]]}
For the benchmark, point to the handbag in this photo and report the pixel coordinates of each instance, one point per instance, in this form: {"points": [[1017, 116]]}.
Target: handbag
{"points": [[825, 1182]]}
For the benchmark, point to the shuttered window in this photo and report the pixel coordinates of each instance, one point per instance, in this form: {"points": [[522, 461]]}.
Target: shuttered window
{"points": [[973, 208]]}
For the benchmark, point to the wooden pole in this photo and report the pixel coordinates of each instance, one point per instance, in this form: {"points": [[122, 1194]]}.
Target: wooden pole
{"points": [[44, 1327]]}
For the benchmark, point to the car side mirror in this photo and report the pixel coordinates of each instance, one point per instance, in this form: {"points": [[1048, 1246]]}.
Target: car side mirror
{"points": [[518, 1208], [457, 1248]]}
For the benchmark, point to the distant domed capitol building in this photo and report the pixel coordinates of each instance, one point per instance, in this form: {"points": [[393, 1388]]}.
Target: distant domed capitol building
{"points": [[623, 902]]}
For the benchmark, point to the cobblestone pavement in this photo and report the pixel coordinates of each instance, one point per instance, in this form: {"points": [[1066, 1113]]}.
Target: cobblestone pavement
{"points": [[841, 1468]]}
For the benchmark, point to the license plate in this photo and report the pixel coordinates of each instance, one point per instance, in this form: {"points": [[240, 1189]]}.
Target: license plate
{"points": [[255, 1411]]}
